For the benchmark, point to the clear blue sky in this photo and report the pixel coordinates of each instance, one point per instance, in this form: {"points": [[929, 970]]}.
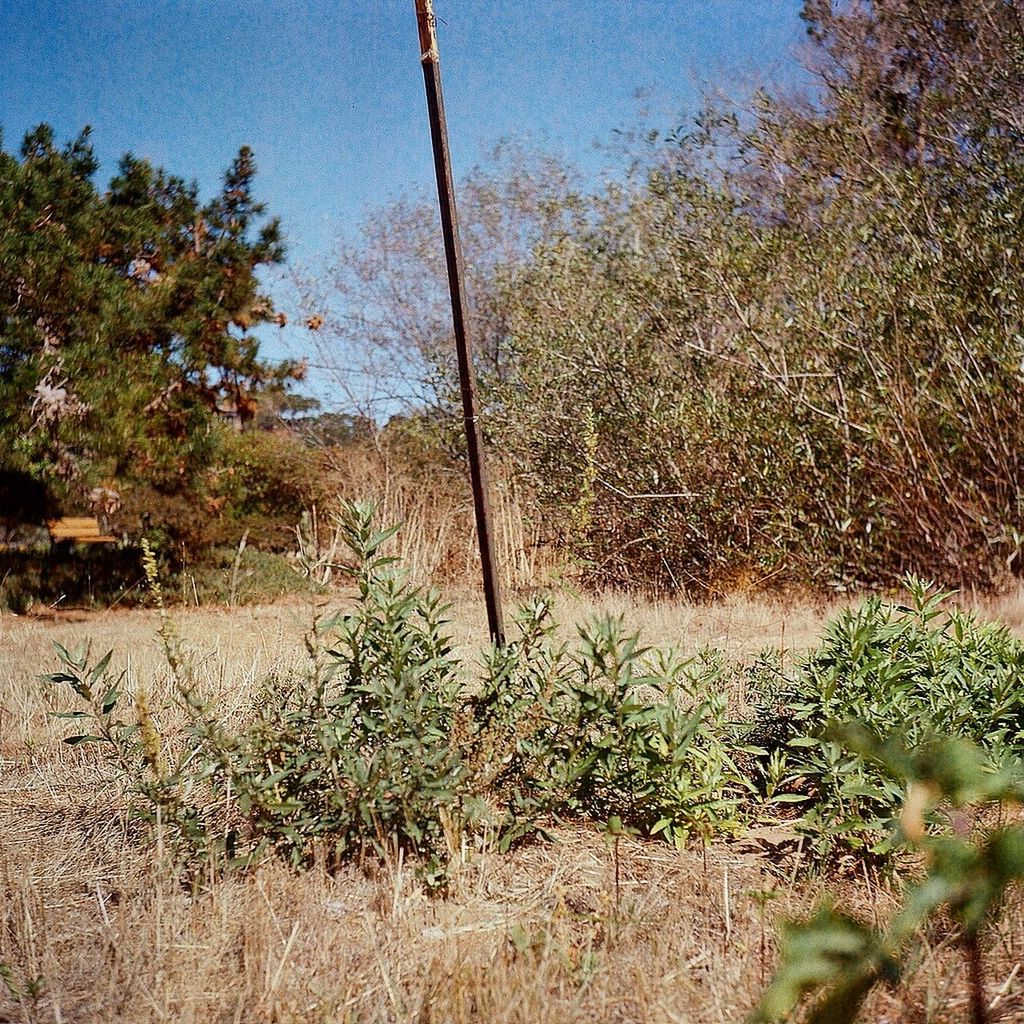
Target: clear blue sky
{"points": [[330, 94]]}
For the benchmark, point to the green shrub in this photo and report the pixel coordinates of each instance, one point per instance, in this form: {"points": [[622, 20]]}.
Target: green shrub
{"points": [[392, 743], [389, 746], [916, 671], [605, 731], [267, 480], [226, 577]]}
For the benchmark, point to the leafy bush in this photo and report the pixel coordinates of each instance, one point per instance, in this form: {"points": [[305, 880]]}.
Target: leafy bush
{"points": [[391, 743], [604, 732], [226, 576], [266, 481], [838, 959], [915, 671], [388, 745]]}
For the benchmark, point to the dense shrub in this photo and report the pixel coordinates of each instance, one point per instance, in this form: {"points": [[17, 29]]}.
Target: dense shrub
{"points": [[918, 672], [231, 577], [266, 480], [606, 730], [784, 348], [389, 745], [393, 743]]}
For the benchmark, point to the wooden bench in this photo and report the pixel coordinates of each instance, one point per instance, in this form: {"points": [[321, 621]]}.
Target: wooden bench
{"points": [[80, 529]]}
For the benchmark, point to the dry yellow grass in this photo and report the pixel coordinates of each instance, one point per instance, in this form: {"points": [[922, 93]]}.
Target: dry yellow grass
{"points": [[572, 931]]}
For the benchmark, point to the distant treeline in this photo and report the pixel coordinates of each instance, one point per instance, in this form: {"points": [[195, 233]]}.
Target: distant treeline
{"points": [[784, 348]]}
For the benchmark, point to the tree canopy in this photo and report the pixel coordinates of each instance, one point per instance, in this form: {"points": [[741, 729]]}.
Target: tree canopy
{"points": [[126, 322]]}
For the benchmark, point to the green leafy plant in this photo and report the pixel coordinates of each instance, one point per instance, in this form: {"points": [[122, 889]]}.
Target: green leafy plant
{"points": [[30, 990], [611, 729], [357, 755], [835, 959], [920, 670], [389, 746]]}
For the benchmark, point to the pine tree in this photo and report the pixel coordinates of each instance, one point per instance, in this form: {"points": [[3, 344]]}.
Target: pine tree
{"points": [[126, 322]]}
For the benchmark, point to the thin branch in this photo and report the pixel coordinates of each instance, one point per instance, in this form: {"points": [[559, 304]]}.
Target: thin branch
{"points": [[671, 495]]}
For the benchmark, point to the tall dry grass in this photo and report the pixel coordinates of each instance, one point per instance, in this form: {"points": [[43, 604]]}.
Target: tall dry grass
{"points": [[432, 500]]}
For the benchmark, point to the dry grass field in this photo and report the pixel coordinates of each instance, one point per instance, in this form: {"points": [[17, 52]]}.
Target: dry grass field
{"points": [[95, 927]]}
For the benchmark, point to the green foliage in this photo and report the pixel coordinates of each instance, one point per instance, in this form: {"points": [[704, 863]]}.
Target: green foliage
{"points": [[30, 990], [95, 687], [830, 950], [265, 481], [785, 347], [125, 319], [605, 731], [357, 755], [839, 960], [918, 671], [389, 746], [227, 578]]}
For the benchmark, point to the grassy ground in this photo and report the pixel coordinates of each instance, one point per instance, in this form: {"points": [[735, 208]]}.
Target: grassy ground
{"points": [[94, 928]]}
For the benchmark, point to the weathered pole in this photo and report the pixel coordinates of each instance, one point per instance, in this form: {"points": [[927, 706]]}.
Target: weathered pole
{"points": [[431, 61]]}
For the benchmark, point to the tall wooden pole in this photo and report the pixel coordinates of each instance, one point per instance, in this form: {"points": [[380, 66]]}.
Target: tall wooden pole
{"points": [[431, 62]]}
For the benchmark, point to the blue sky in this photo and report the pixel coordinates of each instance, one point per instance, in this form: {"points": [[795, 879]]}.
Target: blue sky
{"points": [[330, 94]]}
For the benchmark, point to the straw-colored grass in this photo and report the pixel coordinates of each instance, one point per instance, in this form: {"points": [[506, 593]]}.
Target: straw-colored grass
{"points": [[93, 926], [438, 540]]}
